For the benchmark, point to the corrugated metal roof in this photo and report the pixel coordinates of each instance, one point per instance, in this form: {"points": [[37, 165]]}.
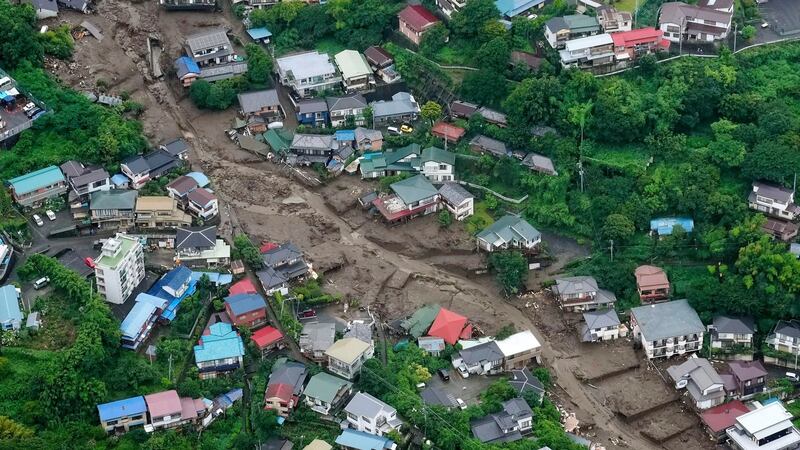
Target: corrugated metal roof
{"points": [[122, 408], [33, 181]]}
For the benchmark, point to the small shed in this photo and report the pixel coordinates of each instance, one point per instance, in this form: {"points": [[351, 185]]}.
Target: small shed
{"points": [[260, 35]]}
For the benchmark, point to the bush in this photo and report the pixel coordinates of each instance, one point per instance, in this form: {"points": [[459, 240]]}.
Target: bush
{"points": [[58, 42], [445, 218], [748, 32]]}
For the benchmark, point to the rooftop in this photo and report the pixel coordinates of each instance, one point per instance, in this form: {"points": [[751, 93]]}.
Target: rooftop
{"points": [[122, 408], [114, 199], [414, 189], [306, 65], [196, 237], [347, 350], [417, 17], [363, 404], [360, 440], [722, 417], [518, 343], [734, 324], [448, 326], [266, 336], [9, 304], [352, 64], [108, 261], [207, 39], [454, 193], [666, 320], [166, 403], [36, 180], [324, 386], [245, 303], [507, 229], [223, 342], [651, 277], [251, 102]]}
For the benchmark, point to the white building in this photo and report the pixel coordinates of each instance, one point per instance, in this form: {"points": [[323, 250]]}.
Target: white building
{"points": [[308, 73], [459, 201], [437, 165], [701, 380], [520, 350], [768, 428], [346, 356], [667, 329], [682, 22], [120, 268], [602, 326], [509, 232], [776, 201], [370, 415], [590, 51]]}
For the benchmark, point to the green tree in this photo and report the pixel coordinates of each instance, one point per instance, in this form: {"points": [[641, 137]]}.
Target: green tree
{"points": [[618, 227], [445, 218], [199, 92], [245, 250], [17, 36], [485, 86], [771, 160], [494, 54], [265, 424], [470, 20], [58, 42], [535, 101], [579, 114], [748, 32], [259, 65], [434, 39], [431, 111], [510, 268]]}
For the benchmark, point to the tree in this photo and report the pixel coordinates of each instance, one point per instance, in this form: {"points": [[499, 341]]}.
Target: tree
{"points": [[431, 111], [497, 392], [58, 42], [579, 114], [494, 54], [771, 160], [470, 20], [245, 250], [486, 86], [265, 424], [618, 107], [259, 65], [434, 39], [748, 32], [618, 227], [445, 218], [535, 101], [199, 92], [510, 268], [17, 36]]}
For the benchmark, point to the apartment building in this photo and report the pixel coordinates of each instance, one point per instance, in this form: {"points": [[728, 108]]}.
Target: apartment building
{"points": [[769, 427], [307, 73], [120, 268], [667, 329]]}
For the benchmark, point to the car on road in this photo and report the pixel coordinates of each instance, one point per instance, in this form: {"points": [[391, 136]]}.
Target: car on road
{"points": [[50, 215], [792, 376], [461, 404], [765, 25], [306, 314], [444, 374], [38, 220], [406, 128]]}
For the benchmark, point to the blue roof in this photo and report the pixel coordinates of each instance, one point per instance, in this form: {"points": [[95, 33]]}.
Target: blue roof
{"points": [[157, 290], [199, 177], [511, 8], [244, 303], [259, 33], [663, 225], [120, 179], [122, 408], [222, 342], [136, 318], [157, 302], [770, 401], [9, 304], [176, 277], [36, 180], [191, 66], [363, 441], [345, 135], [219, 279]]}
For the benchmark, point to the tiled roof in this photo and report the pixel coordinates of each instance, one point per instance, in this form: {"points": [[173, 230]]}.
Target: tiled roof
{"points": [[417, 17]]}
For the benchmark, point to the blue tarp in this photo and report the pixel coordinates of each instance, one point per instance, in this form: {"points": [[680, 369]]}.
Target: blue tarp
{"points": [[191, 66], [259, 33], [171, 310], [770, 401], [663, 225], [120, 179], [345, 135]]}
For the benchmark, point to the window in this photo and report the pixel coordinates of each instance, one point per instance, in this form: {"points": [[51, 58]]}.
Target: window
{"points": [[442, 166]]}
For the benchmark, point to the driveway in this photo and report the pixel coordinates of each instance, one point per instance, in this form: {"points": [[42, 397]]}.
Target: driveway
{"points": [[467, 389]]}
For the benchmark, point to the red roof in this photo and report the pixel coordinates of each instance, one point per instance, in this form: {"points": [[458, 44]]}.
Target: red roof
{"points": [[448, 326], [722, 417], [266, 337], [448, 131], [417, 17], [282, 391], [244, 286], [265, 247], [166, 403], [639, 36]]}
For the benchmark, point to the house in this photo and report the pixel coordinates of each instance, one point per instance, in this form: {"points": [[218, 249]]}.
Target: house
{"points": [[450, 326], [209, 48], [164, 409], [285, 386], [391, 162], [732, 335], [559, 30], [368, 414], [356, 72], [507, 425], [785, 337], [493, 117], [189, 5], [378, 58], [160, 212], [484, 144], [141, 320], [768, 427], [361, 331], [780, 229], [414, 21], [260, 35], [437, 165], [519, 350], [701, 380], [174, 286], [513, 8], [314, 148], [359, 440], [664, 226], [137, 170], [113, 209], [143, 168], [307, 73], [315, 339], [612, 21], [437, 396], [411, 197], [45, 9], [448, 131], [420, 321], [282, 264], [582, 294], [202, 203], [539, 163], [346, 356], [85, 180], [526, 59], [33, 321], [34, 188], [633, 44], [367, 139], [326, 393], [264, 104], [179, 189], [403, 107], [721, 417], [276, 444], [121, 415], [718, 5], [348, 107], [509, 232], [652, 284], [10, 313], [267, 339], [317, 444], [119, 268], [588, 52], [219, 352], [200, 247], [601, 325], [483, 359], [463, 110], [522, 380], [749, 377], [693, 23], [434, 346], [186, 70], [313, 112], [248, 310], [458, 200], [666, 329]]}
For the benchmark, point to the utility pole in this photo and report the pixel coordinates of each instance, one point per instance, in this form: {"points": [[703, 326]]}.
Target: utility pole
{"points": [[735, 32], [580, 172], [169, 374], [612, 250], [680, 36]]}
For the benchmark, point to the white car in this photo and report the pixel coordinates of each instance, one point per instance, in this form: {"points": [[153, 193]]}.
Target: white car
{"points": [[462, 370], [461, 404], [38, 220], [50, 214], [275, 125], [765, 25]]}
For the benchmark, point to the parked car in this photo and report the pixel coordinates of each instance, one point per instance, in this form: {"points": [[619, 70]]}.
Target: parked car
{"points": [[792, 376], [444, 374], [275, 125], [461, 404], [392, 130], [29, 106], [50, 214], [406, 128], [307, 314], [765, 25], [41, 282], [462, 370], [38, 220]]}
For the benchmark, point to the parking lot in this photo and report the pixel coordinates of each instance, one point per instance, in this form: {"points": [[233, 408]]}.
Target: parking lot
{"points": [[783, 17], [467, 389]]}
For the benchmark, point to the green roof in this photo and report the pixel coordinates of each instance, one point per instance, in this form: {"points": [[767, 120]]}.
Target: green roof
{"points": [[278, 140], [579, 23], [113, 199], [438, 155], [389, 160], [414, 189], [324, 387], [421, 320], [36, 180], [111, 262], [352, 64]]}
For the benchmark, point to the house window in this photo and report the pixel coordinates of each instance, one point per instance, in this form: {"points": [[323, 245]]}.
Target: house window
{"points": [[442, 166]]}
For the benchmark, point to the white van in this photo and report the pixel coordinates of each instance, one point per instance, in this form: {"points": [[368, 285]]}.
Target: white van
{"points": [[41, 282], [393, 130], [38, 220]]}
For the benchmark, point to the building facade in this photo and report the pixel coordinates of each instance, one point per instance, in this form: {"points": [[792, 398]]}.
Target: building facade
{"points": [[120, 268]]}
